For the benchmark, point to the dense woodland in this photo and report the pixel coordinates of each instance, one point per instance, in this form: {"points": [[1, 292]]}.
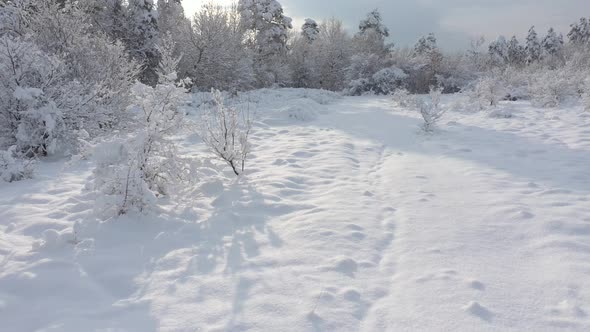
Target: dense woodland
{"points": [[69, 69]]}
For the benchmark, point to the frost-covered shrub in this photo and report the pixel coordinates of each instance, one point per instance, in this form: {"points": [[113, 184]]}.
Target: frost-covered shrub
{"points": [[226, 130], [388, 80], [13, 168], [360, 72], [59, 77], [359, 87], [487, 92], [515, 83], [550, 88], [131, 174], [403, 98], [33, 90], [302, 110], [431, 110], [383, 82]]}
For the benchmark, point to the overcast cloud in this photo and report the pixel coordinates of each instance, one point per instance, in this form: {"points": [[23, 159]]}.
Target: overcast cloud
{"points": [[455, 22]]}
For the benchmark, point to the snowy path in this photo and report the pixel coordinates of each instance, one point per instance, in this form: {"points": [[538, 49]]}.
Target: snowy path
{"points": [[353, 221]]}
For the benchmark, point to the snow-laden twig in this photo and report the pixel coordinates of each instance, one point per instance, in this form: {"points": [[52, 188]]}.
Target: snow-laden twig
{"points": [[226, 130]]}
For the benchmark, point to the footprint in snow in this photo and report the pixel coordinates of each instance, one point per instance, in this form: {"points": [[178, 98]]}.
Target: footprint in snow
{"points": [[345, 265], [478, 310], [476, 284]]}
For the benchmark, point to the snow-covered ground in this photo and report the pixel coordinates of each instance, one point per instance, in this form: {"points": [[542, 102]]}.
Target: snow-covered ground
{"points": [[349, 219]]}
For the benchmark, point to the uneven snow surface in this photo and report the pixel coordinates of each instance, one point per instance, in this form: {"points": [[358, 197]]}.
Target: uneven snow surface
{"points": [[349, 219]]}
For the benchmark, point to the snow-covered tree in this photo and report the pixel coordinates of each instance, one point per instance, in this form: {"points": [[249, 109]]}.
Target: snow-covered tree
{"points": [[143, 38], [171, 17], [98, 64], [226, 131], [426, 45], [373, 22], [266, 29], [533, 46], [550, 88], [173, 22], [388, 80], [552, 44], [310, 30], [487, 92], [427, 60], [77, 75], [580, 32], [499, 51], [516, 53], [214, 56], [132, 174], [431, 110], [32, 85], [301, 57], [107, 17], [371, 36], [332, 53]]}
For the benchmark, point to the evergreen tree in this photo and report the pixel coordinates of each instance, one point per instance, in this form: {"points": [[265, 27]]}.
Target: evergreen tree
{"points": [[498, 51], [426, 45], [516, 52], [427, 60], [143, 36], [108, 17], [552, 43], [580, 32], [370, 38], [533, 46], [310, 30], [267, 27], [374, 23]]}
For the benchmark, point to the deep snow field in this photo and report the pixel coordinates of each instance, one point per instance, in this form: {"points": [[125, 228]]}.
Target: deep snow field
{"points": [[349, 219]]}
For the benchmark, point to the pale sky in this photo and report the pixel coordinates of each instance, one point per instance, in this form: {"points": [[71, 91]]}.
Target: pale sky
{"points": [[454, 22]]}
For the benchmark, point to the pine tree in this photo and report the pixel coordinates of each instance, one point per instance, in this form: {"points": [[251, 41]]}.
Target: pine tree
{"points": [[310, 30], [267, 27], [499, 51], [300, 57], [109, 17], [370, 38], [516, 52], [427, 60], [426, 45], [533, 46], [580, 32], [552, 44], [373, 22], [142, 41], [171, 17]]}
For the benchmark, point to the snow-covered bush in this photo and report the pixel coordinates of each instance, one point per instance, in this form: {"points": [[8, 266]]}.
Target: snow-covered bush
{"points": [[431, 110], [487, 92], [550, 88], [388, 80], [226, 130], [58, 79], [360, 73], [99, 65], [13, 168], [403, 98], [32, 85], [133, 173]]}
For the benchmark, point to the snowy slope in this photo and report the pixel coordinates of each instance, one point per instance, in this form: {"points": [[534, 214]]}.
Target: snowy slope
{"points": [[349, 219]]}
